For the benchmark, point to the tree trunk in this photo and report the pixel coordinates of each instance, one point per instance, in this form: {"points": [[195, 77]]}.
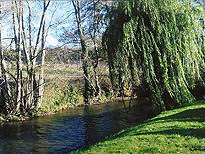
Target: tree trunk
{"points": [[96, 59], [41, 75], [5, 88], [24, 99], [89, 92], [18, 40], [28, 95]]}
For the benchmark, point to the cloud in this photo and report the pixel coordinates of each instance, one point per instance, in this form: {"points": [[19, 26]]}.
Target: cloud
{"points": [[4, 31], [51, 41], [66, 25]]}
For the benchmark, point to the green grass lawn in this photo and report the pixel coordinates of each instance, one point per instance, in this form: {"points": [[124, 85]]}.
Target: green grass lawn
{"points": [[177, 131]]}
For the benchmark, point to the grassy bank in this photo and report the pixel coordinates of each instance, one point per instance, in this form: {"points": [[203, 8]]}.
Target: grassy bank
{"points": [[177, 131]]}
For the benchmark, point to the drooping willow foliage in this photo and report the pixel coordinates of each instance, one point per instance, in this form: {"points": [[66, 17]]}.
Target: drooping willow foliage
{"points": [[160, 42]]}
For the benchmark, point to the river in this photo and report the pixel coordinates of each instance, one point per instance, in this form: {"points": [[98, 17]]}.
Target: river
{"points": [[72, 129]]}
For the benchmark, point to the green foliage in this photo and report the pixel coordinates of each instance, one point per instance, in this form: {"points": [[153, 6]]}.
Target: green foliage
{"points": [[177, 131], [71, 95], [164, 39], [61, 94], [1, 118], [67, 96]]}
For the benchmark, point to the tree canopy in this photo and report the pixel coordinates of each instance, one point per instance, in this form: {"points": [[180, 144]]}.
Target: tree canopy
{"points": [[161, 42]]}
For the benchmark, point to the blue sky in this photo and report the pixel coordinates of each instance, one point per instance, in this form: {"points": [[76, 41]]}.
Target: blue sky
{"points": [[63, 10], [60, 19]]}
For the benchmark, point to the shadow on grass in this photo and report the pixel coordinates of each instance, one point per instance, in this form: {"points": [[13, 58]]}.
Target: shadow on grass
{"points": [[198, 132], [190, 115], [187, 115]]}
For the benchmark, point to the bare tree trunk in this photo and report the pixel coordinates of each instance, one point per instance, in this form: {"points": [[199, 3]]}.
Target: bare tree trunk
{"points": [[24, 99], [5, 88], [30, 81], [37, 88], [28, 93], [96, 58], [88, 93], [18, 40], [41, 75]]}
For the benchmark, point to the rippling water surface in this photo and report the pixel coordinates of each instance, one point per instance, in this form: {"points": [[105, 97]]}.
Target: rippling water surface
{"points": [[70, 130]]}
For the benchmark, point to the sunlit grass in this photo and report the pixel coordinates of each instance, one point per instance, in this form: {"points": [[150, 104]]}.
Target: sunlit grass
{"points": [[55, 69], [177, 131]]}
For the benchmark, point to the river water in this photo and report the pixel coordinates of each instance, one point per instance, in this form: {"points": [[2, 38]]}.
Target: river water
{"points": [[72, 129]]}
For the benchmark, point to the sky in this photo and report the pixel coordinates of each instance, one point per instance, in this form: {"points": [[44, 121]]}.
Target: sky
{"points": [[60, 20], [63, 9]]}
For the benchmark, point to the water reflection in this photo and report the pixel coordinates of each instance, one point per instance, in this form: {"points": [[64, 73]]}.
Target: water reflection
{"points": [[69, 130]]}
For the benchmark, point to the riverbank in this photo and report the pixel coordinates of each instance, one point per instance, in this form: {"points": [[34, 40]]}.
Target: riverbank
{"points": [[57, 108], [64, 88], [180, 130]]}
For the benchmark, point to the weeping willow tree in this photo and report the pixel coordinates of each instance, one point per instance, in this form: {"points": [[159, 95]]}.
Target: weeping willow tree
{"points": [[160, 43]]}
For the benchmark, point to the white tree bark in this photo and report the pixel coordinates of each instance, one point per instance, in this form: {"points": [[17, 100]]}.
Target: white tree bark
{"points": [[17, 10], [41, 75], [4, 85]]}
